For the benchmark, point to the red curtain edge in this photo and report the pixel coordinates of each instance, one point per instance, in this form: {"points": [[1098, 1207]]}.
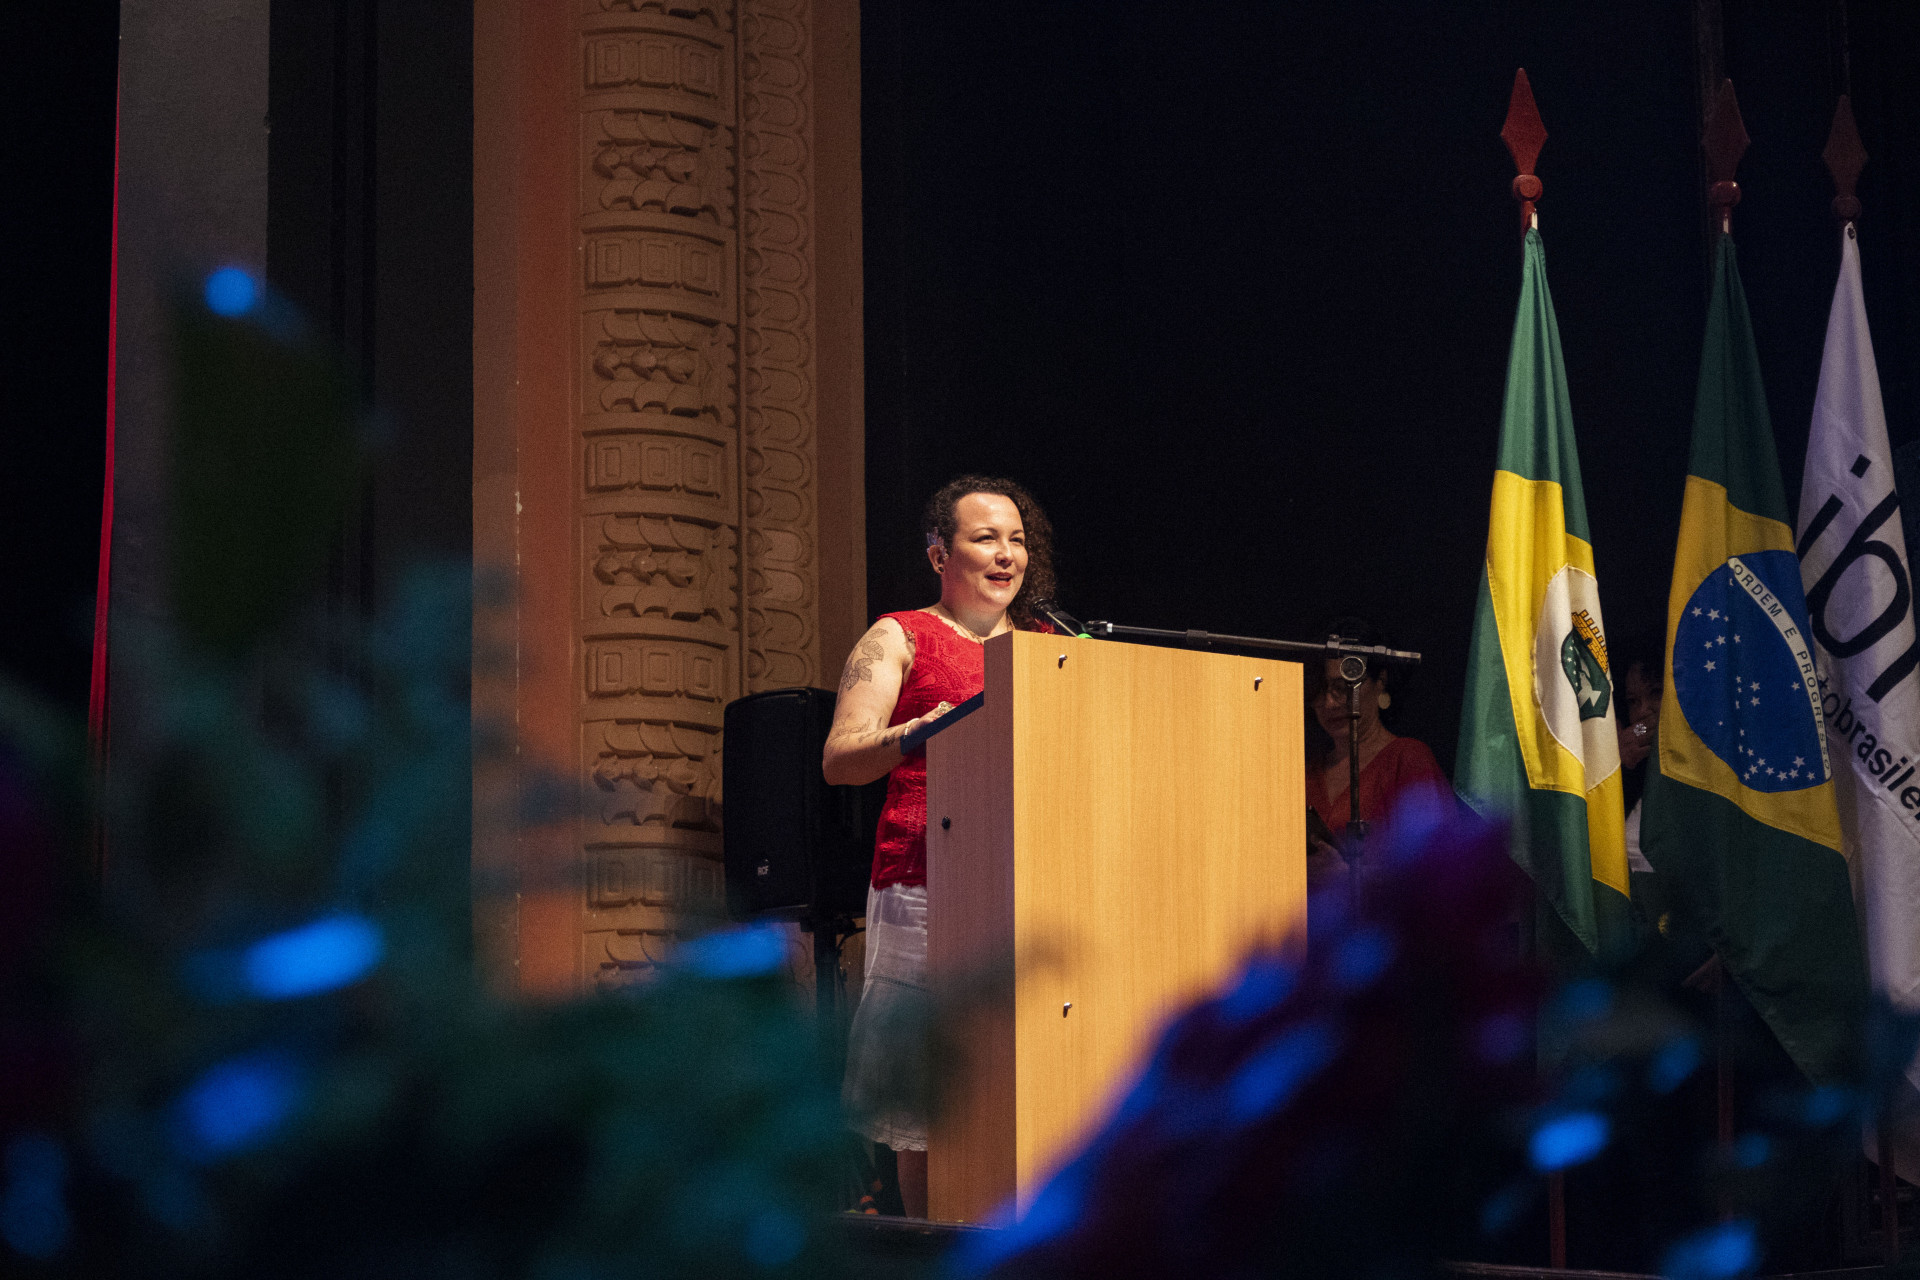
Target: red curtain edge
{"points": [[97, 692]]}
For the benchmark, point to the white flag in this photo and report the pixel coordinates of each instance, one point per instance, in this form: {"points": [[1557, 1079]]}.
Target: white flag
{"points": [[1853, 562]]}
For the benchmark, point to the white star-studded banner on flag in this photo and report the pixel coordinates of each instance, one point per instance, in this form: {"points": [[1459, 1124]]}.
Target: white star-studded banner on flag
{"points": [[1860, 603]]}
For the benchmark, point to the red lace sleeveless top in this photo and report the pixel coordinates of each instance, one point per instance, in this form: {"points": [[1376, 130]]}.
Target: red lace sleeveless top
{"points": [[946, 667]]}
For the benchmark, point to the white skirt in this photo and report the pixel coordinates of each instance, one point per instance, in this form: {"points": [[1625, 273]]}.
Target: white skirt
{"points": [[888, 1073]]}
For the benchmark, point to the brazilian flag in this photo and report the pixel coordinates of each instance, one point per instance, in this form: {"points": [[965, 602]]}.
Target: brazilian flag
{"points": [[1538, 744], [1739, 813]]}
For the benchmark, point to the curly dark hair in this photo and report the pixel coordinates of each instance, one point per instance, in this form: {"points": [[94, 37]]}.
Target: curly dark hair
{"points": [[938, 522]]}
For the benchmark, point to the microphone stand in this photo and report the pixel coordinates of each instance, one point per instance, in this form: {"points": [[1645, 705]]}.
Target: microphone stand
{"points": [[1354, 671], [1353, 659]]}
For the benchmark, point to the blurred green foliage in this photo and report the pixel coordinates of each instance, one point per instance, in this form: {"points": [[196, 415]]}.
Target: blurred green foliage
{"points": [[266, 455], [259, 1044]]}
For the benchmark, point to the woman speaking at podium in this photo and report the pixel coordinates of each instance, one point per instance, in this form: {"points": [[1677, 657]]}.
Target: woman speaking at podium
{"points": [[989, 542]]}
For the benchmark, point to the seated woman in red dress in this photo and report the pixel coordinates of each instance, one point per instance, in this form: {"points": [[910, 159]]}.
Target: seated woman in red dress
{"points": [[1390, 766], [989, 542]]}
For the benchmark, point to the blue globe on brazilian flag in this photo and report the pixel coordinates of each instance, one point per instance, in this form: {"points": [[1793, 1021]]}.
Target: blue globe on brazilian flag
{"points": [[1744, 677], [1538, 745], [1739, 812]]}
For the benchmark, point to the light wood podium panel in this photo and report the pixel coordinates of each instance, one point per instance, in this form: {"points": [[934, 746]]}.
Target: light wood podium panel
{"points": [[1112, 832]]}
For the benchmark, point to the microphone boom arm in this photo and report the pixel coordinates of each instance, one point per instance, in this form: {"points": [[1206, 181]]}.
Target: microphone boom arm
{"points": [[1296, 649]]}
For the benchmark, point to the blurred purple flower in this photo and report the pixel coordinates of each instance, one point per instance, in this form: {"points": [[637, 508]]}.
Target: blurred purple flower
{"points": [[1346, 1114]]}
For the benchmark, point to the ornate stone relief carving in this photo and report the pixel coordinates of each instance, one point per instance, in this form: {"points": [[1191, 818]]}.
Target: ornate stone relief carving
{"points": [[696, 435], [779, 551]]}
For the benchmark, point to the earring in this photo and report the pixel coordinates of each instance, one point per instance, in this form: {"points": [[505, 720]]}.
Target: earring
{"points": [[1386, 699]]}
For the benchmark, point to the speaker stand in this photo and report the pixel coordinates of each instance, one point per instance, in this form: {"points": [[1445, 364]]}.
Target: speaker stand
{"points": [[830, 930]]}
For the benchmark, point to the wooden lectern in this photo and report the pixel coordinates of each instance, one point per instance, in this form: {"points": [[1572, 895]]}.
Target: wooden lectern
{"points": [[1107, 837]]}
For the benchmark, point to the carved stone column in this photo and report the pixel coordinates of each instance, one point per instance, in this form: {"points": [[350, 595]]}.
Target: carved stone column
{"points": [[694, 434]]}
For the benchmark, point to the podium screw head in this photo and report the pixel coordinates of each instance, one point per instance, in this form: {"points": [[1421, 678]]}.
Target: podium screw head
{"points": [[1256, 683], [1063, 661], [1066, 1008]]}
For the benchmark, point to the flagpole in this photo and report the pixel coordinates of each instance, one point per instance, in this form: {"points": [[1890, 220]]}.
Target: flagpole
{"points": [[1724, 141], [1525, 133]]}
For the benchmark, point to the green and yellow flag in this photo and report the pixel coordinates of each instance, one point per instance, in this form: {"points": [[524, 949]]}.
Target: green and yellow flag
{"points": [[1537, 739], [1739, 814]]}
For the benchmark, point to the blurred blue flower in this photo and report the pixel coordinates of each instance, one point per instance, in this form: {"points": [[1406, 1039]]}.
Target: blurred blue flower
{"points": [[1584, 1001], [36, 1158], [1676, 1060], [1718, 1253], [1826, 1105], [231, 292], [174, 1198], [775, 1237], [236, 1103], [1054, 1212], [370, 849], [745, 952], [328, 953], [1503, 1208], [34, 1220], [1566, 1140], [1267, 981], [1589, 1085], [1288, 1062], [1500, 1037], [1359, 960]]}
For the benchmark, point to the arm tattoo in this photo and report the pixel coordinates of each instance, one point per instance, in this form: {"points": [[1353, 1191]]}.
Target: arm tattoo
{"points": [[860, 665], [875, 734]]}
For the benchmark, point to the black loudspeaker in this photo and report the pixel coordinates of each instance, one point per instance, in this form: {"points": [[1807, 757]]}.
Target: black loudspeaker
{"points": [[795, 846]]}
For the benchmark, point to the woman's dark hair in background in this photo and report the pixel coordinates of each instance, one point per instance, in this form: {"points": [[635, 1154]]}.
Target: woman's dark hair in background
{"points": [[938, 522], [1646, 649], [1360, 631], [1392, 679]]}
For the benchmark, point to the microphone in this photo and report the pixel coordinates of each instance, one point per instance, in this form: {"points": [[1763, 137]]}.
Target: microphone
{"points": [[1062, 621]]}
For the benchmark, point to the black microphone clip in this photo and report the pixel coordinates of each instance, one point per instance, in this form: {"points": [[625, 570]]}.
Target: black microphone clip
{"points": [[1062, 621]]}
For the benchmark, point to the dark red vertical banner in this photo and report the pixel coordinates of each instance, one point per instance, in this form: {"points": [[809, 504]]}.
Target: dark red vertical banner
{"points": [[103, 585]]}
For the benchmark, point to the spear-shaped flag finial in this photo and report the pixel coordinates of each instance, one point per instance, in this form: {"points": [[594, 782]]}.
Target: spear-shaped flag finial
{"points": [[1845, 158], [1725, 141], [1524, 135]]}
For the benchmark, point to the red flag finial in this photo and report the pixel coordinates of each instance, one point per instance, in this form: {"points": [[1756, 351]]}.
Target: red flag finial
{"points": [[1524, 135], [1725, 141], [1845, 158]]}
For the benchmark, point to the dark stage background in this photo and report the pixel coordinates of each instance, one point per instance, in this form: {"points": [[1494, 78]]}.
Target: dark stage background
{"points": [[57, 65], [1230, 286]]}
